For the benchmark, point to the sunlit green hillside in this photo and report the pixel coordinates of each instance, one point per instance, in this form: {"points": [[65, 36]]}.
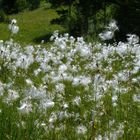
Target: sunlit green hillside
{"points": [[34, 26]]}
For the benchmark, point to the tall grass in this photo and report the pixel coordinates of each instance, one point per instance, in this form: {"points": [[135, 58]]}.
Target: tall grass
{"points": [[72, 90]]}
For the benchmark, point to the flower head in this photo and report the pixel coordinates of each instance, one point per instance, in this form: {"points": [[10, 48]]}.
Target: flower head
{"points": [[13, 27]]}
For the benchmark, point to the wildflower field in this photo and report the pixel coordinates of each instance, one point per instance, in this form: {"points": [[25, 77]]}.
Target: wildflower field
{"points": [[72, 90]]}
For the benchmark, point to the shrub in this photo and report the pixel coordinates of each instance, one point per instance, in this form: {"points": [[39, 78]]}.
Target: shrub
{"points": [[33, 4], [21, 5], [3, 16]]}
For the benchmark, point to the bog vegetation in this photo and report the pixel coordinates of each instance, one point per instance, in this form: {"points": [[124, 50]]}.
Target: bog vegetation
{"points": [[70, 89]]}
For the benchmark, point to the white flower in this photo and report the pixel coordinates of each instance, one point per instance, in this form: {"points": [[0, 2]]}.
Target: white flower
{"points": [[14, 21], [62, 115], [29, 82], [60, 87], [62, 68], [113, 25], [76, 81], [1, 42], [46, 103], [12, 96], [99, 137], [77, 100], [107, 35], [65, 105], [25, 108], [53, 118], [85, 80], [1, 88], [85, 51], [13, 27], [136, 98], [114, 98], [29, 49], [132, 39], [37, 71], [81, 129]]}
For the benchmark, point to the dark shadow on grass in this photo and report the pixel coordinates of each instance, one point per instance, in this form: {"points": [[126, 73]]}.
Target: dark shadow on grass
{"points": [[44, 38]]}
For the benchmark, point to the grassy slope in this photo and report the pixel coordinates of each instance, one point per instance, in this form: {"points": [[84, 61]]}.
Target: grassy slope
{"points": [[34, 26]]}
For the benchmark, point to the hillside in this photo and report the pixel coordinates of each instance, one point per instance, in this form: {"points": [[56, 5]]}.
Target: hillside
{"points": [[34, 26]]}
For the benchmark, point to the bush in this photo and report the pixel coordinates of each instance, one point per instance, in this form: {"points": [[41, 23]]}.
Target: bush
{"points": [[3, 16], [45, 4], [15, 6], [20, 5], [33, 4]]}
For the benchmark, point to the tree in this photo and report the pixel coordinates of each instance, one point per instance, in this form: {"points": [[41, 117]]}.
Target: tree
{"points": [[128, 17], [88, 17], [8, 6], [15, 6]]}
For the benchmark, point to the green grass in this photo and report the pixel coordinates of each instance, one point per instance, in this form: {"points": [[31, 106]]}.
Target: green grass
{"points": [[85, 106], [35, 26]]}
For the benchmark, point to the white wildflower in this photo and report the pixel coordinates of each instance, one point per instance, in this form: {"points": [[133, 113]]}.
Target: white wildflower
{"points": [[37, 71], [12, 96], [99, 137], [81, 129], [132, 39], [62, 68], [13, 21], [112, 25], [13, 27], [60, 87], [76, 81], [106, 35], [25, 108], [65, 105], [29, 82], [46, 104], [136, 98], [53, 118], [77, 100], [114, 99]]}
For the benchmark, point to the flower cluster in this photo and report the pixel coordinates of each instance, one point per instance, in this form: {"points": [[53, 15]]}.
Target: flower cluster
{"points": [[71, 89], [13, 27], [110, 30]]}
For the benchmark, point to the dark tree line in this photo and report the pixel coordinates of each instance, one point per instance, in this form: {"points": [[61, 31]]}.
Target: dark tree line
{"points": [[86, 17], [15, 6]]}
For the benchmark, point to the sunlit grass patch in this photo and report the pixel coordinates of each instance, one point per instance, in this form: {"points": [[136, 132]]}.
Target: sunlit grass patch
{"points": [[34, 25]]}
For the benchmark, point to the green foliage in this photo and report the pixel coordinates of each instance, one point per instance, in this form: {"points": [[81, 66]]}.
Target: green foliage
{"points": [[21, 5], [88, 18], [128, 17], [3, 16], [8, 6], [106, 108], [45, 4], [33, 4], [15, 6]]}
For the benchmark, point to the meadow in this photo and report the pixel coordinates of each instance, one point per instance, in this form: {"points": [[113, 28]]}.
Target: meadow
{"points": [[72, 90], [35, 26]]}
